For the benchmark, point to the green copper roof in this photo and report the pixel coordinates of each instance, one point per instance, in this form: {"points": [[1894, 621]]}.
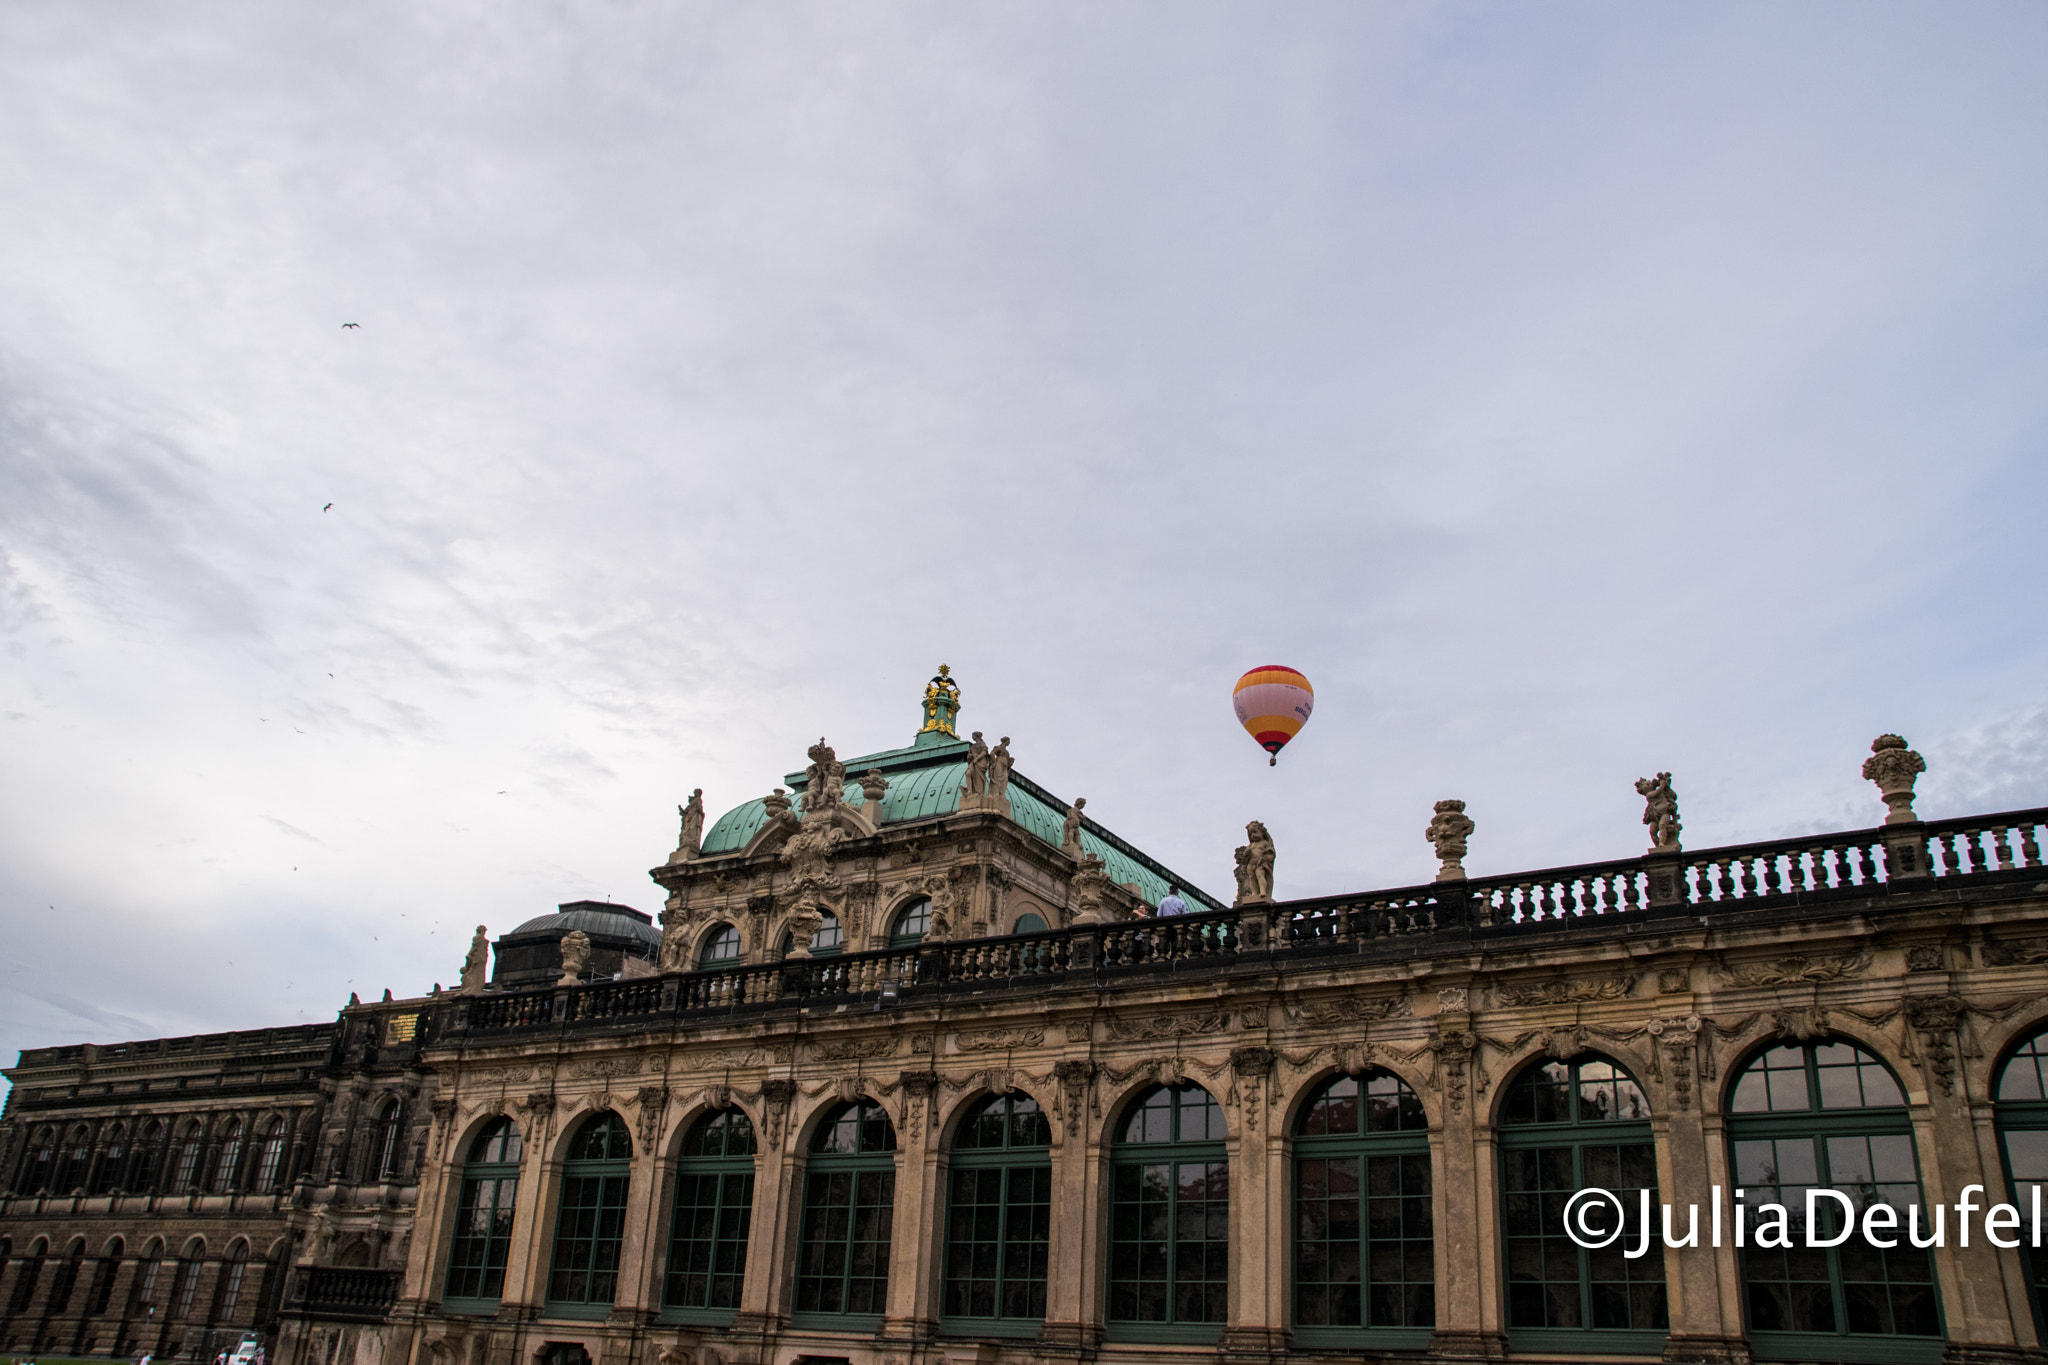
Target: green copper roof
{"points": [[925, 781]]}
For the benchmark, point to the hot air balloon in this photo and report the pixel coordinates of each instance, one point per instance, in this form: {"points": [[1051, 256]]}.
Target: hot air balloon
{"points": [[1273, 702]]}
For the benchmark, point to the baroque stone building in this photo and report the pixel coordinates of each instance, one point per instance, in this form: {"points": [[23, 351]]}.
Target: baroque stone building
{"points": [[918, 1074]]}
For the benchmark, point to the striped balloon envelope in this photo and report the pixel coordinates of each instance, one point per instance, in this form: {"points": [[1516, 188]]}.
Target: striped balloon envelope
{"points": [[1273, 702]]}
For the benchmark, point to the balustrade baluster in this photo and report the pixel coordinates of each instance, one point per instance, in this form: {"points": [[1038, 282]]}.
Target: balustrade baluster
{"points": [[2000, 845], [1630, 892], [1866, 862], [2030, 853], [1772, 886]]}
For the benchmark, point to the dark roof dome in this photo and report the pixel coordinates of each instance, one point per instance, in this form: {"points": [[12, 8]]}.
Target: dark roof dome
{"points": [[596, 918]]}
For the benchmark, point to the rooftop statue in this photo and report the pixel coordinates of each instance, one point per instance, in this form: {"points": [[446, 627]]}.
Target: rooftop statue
{"points": [[1255, 866], [941, 704], [825, 778], [999, 764], [1660, 812], [575, 956], [1070, 834], [1448, 830], [977, 766], [476, 966], [1894, 768], [691, 842]]}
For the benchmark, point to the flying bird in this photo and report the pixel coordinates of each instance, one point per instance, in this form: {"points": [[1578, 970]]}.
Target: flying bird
{"points": [[328, 505], [346, 325]]}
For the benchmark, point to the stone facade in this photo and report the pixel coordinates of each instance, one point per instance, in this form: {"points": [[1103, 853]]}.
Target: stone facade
{"points": [[1114, 1138]]}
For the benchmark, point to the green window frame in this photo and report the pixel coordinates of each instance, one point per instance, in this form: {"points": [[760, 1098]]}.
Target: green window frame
{"points": [[842, 1267], [1364, 1235], [722, 947], [2020, 1113], [911, 923], [1565, 1126], [1829, 1115], [1169, 1218], [590, 1219], [829, 941], [998, 1219], [483, 1221], [711, 1218]]}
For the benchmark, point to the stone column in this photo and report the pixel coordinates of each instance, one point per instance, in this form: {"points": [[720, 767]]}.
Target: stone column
{"points": [[1257, 1327], [1702, 1284], [916, 1240], [637, 1300], [1982, 1300], [526, 1259], [1469, 1319], [778, 1204], [1073, 1292]]}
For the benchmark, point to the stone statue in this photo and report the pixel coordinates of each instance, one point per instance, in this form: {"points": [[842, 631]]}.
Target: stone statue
{"points": [[1448, 830], [691, 844], [977, 766], [939, 890], [1894, 768], [999, 762], [803, 927], [825, 778], [1070, 836], [477, 965], [1660, 812], [1090, 888], [575, 956], [323, 1235], [809, 855], [1255, 866]]}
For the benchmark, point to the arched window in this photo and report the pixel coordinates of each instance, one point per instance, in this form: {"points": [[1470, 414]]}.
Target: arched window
{"points": [[1029, 924], [1828, 1116], [107, 1175], [590, 1224], [35, 1176], [232, 1274], [999, 1212], [707, 1248], [1169, 1228], [270, 1157], [186, 1288], [842, 1264], [721, 949], [2022, 1117], [390, 1126], [103, 1279], [31, 1274], [1364, 1231], [148, 1161], [229, 1164], [72, 1162], [189, 1150], [911, 924], [1566, 1126], [66, 1278], [146, 1279], [483, 1220], [830, 938]]}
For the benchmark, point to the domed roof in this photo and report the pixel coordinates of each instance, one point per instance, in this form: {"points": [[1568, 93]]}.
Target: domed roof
{"points": [[596, 918], [925, 780]]}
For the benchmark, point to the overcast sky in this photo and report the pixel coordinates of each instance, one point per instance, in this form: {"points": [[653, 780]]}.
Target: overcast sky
{"points": [[1572, 393]]}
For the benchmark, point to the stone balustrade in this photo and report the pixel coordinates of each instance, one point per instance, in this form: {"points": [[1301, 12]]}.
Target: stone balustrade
{"points": [[1696, 885]]}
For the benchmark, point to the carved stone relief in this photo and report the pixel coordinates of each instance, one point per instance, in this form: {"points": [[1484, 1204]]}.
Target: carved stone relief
{"points": [[1795, 967]]}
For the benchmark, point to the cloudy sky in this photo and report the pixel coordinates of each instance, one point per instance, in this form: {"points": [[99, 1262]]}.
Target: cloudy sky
{"points": [[1571, 392]]}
